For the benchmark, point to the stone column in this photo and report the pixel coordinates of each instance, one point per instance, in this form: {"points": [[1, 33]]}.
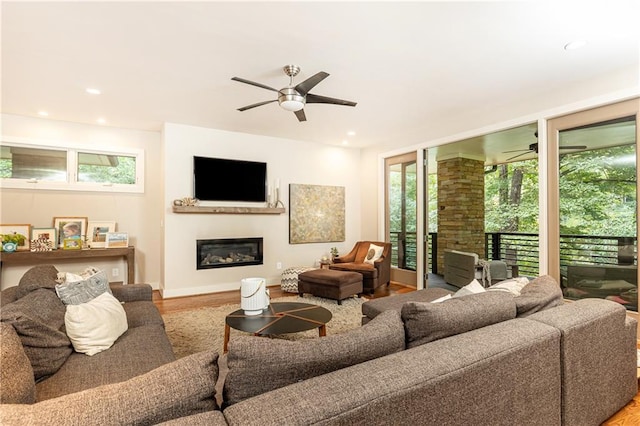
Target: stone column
{"points": [[460, 207]]}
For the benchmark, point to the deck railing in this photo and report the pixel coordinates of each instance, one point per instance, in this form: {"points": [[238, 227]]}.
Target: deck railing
{"points": [[522, 249]]}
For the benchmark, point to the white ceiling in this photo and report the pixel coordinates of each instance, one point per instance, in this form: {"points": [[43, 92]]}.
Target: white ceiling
{"points": [[417, 69]]}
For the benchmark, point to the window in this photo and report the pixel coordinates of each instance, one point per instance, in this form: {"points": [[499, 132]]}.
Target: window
{"points": [[24, 165]]}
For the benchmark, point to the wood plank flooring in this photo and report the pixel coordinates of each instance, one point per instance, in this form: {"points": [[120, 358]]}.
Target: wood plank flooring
{"points": [[627, 416]]}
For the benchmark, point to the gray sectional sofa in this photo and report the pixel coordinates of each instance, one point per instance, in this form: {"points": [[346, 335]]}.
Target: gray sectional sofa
{"points": [[484, 359], [44, 381]]}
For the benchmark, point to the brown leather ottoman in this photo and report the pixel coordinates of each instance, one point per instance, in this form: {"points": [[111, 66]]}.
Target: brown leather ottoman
{"points": [[336, 285]]}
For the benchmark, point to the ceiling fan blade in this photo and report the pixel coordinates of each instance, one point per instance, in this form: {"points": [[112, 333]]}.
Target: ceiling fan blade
{"points": [[253, 83], [255, 105], [300, 115], [574, 147], [304, 87], [316, 99], [519, 155], [515, 150]]}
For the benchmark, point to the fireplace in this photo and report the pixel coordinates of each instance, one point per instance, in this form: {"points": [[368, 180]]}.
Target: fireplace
{"points": [[228, 252]]}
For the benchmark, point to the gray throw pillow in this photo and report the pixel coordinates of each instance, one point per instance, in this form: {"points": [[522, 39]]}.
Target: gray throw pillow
{"points": [[16, 374], [426, 322], [177, 389], [540, 294], [78, 292], [41, 276], [38, 319], [258, 365]]}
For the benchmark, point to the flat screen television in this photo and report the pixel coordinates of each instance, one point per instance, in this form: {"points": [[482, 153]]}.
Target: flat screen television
{"points": [[221, 179]]}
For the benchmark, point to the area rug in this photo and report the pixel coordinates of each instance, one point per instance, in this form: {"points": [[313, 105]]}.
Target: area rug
{"points": [[203, 329]]}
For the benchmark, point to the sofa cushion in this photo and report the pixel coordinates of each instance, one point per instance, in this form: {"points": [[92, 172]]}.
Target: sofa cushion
{"points": [[375, 306], [258, 365], [367, 270], [541, 293], [136, 352], [426, 322], [38, 318], [93, 326], [16, 374], [77, 289], [41, 276], [180, 388]]}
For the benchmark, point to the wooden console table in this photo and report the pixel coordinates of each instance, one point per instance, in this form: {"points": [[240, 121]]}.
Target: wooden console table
{"points": [[45, 257]]}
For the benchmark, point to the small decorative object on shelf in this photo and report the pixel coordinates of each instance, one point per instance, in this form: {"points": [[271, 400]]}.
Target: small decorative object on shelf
{"points": [[9, 247], [186, 201], [334, 252], [276, 202], [42, 244]]}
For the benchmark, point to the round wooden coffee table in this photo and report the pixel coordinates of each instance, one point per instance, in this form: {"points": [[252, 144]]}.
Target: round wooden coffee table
{"points": [[279, 318]]}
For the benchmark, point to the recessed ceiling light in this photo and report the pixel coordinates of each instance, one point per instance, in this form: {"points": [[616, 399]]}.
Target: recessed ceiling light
{"points": [[345, 142], [93, 91], [43, 113], [101, 120], [351, 133], [577, 44]]}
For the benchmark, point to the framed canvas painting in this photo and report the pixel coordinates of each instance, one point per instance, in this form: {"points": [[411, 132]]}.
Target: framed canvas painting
{"points": [[17, 234], [44, 237], [116, 240], [70, 227], [97, 232]]}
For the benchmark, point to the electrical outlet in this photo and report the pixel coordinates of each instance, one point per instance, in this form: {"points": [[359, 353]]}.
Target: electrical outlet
{"points": [[115, 272], [278, 265]]}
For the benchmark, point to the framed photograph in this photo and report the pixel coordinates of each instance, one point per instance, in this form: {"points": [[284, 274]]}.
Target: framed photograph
{"points": [[45, 235], [70, 228], [18, 234], [97, 232], [116, 240], [72, 244]]}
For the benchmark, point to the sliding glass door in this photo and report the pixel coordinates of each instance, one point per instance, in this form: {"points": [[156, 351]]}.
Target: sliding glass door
{"points": [[593, 208], [401, 215]]}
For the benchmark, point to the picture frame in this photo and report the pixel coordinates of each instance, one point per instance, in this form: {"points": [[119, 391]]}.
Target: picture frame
{"points": [[45, 234], [70, 227], [116, 240], [71, 244], [21, 229], [97, 232]]}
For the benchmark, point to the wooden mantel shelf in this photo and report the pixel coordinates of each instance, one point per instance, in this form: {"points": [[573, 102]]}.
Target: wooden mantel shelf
{"points": [[228, 210]]}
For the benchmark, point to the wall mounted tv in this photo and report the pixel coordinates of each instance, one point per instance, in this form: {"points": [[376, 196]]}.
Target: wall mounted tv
{"points": [[221, 179]]}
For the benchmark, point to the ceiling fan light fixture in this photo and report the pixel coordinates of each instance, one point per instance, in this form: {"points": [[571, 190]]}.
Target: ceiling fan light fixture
{"points": [[290, 100]]}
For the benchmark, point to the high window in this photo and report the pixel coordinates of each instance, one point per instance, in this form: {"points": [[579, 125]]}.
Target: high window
{"points": [[30, 166]]}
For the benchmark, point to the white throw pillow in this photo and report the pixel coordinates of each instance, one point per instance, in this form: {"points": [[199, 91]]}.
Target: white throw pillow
{"points": [[473, 287], [92, 327], [373, 254], [441, 299], [513, 285]]}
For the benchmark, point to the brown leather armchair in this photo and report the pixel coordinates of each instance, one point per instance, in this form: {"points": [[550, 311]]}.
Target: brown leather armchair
{"points": [[373, 275]]}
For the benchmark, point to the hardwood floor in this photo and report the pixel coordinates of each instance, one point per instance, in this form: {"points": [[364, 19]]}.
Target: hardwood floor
{"points": [[629, 415]]}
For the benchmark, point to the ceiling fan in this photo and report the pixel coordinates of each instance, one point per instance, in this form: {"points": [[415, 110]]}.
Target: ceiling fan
{"points": [[294, 98], [534, 148]]}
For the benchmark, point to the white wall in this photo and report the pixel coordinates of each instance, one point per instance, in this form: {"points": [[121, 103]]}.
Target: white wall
{"points": [[137, 214], [288, 160]]}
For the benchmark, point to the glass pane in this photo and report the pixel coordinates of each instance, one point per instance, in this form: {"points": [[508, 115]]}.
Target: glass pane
{"points": [[104, 168], [31, 163], [402, 214], [598, 212], [512, 215]]}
